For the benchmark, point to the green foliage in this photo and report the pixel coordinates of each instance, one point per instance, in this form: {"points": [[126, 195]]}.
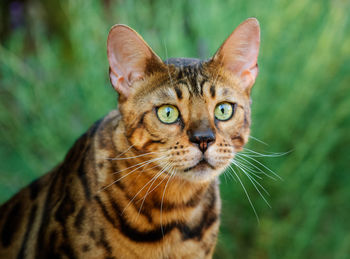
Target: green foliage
{"points": [[53, 87]]}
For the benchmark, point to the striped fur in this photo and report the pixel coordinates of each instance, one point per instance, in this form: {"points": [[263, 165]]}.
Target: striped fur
{"points": [[131, 186]]}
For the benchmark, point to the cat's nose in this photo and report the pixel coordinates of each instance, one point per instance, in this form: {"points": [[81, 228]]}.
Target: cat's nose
{"points": [[202, 138]]}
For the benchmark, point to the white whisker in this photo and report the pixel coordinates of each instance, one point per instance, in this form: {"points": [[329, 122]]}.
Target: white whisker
{"points": [[246, 193], [141, 163], [119, 179], [167, 166], [279, 177], [125, 150], [248, 168], [258, 140], [254, 182], [161, 204], [257, 154], [256, 167], [139, 193], [124, 158]]}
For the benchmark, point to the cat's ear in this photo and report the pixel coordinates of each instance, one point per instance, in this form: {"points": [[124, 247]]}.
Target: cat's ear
{"points": [[130, 58], [239, 53]]}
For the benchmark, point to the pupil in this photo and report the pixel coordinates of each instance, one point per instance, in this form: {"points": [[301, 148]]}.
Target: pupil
{"points": [[167, 112], [222, 110]]}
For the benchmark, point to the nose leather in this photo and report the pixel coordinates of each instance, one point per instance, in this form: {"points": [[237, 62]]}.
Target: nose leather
{"points": [[202, 138]]}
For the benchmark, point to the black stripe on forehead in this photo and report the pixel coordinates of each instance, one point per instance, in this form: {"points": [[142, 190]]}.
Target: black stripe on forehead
{"points": [[190, 72], [178, 92]]}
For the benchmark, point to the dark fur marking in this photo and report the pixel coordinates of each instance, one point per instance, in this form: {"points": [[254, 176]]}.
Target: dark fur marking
{"points": [[68, 250], [30, 223], [51, 249], [115, 206], [150, 142], [212, 91], [151, 134], [192, 78], [134, 234], [49, 202], [182, 81], [201, 86], [105, 212], [246, 123], [79, 219], [85, 248], [11, 224], [238, 140], [66, 208], [191, 203], [34, 188], [208, 218], [178, 92], [92, 235], [82, 174], [138, 125], [104, 243]]}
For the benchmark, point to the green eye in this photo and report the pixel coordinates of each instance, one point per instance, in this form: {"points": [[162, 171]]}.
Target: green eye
{"points": [[167, 114], [223, 111]]}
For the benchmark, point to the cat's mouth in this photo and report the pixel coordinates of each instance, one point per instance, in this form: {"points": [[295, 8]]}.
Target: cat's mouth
{"points": [[202, 164]]}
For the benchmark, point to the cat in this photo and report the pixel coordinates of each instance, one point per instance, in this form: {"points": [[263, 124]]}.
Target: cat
{"points": [[143, 181]]}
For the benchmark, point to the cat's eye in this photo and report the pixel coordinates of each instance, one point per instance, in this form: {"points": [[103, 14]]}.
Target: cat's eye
{"points": [[167, 113], [224, 111]]}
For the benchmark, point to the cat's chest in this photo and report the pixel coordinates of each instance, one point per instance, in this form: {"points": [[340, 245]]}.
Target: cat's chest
{"points": [[172, 246]]}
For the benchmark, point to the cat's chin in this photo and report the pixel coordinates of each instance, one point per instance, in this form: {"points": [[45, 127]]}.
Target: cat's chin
{"points": [[201, 172]]}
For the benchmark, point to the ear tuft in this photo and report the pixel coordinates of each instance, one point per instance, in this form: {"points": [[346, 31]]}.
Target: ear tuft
{"points": [[128, 56], [239, 53]]}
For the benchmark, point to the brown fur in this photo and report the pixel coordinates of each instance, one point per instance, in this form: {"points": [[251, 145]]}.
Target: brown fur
{"points": [[108, 199]]}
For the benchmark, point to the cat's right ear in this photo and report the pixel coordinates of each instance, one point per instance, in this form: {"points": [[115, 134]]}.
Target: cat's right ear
{"points": [[239, 53], [130, 58]]}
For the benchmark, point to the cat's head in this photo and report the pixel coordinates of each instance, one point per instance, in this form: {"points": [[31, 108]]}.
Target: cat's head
{"points": [[193, 114]]}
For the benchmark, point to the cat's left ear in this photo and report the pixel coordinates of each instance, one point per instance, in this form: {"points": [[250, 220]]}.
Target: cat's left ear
{"points": [[130, 59], [239, 53]]}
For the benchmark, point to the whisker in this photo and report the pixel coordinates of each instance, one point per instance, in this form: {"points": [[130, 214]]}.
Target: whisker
{"points": [[125, 150], [230, 175], [161, 204], [138, 193], [279, 177], [272, 154], [248, 168], [246, 193], [143, 162], [225, 176], [124, 158], [258, 140], [256, 167], [119, 179], [253, 181], [158, 175]]}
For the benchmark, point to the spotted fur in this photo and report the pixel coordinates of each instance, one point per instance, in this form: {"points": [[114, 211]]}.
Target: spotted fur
{"points": [[132, 186]]}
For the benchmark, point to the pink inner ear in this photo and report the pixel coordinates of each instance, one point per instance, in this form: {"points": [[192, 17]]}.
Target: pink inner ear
{"points": [[128, 55], [239, 53]]}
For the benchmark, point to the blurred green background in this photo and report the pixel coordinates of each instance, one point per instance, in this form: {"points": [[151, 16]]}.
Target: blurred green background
{"points": [[54, 84]]}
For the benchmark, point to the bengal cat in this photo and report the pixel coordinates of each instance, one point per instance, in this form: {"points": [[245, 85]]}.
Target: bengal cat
{"points": [[143, 181]]}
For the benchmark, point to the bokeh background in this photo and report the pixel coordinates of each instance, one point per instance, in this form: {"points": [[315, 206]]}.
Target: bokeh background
{"points": [[54, 84]]}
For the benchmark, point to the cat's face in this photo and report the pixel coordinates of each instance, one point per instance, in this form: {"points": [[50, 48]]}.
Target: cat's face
{"points": [[191, 116]]}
